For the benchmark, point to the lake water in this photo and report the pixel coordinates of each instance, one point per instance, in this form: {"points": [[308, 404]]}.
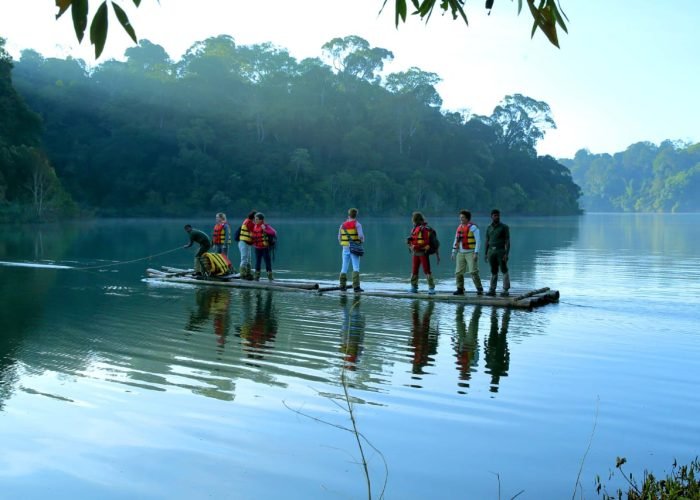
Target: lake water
{"points": [[112, 386]]}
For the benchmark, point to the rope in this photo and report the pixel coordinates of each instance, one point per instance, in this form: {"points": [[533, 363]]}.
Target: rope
{"points": [[126, 261]]}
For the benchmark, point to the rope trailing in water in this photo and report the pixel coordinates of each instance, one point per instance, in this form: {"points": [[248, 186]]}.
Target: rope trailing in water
{"points": [[126, 261]]}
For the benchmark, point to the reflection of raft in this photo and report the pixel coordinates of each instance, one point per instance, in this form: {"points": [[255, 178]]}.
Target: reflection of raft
{"points": [[520, 300]]}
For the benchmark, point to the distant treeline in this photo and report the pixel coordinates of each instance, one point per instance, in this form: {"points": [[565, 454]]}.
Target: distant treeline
{"points": [[644, 178], [232, 127]]}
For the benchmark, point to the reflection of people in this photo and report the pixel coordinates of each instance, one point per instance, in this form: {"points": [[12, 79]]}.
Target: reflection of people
{"points": [[197, 236], [419, 244], [353, 331], [496, 352], [497, 250], [245, 244], [221, 236], [466, 343], [212, 302], [351, 229], [259, 329], [465, 251], [423, 337], [262, 234]]}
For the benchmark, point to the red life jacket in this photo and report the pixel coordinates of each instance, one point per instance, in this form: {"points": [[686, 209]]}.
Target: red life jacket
{"points": [[221, 234], [420, 238], [464, 237], [260, 237]]}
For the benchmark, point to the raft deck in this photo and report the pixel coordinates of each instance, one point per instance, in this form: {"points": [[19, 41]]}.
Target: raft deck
{"points": [[517, 299]]}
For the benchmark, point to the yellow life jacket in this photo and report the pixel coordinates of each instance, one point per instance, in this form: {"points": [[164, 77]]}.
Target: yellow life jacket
{"points": [[348, 231], [246, 232], [216, 264]]}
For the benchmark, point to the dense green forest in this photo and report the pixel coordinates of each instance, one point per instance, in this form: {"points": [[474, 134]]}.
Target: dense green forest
{"points": [[643, 178], [230, 127], [29, 187]]}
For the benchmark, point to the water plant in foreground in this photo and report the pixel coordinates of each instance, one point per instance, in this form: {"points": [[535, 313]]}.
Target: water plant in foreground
{"points": [[682, 483]]}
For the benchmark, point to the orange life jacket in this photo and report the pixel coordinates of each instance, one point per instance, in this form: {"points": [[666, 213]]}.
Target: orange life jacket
{"points": [[464, 237], [222, 234]]}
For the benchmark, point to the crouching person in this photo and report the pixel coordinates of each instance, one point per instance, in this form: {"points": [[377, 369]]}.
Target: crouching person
{"points": [[199, 237]]}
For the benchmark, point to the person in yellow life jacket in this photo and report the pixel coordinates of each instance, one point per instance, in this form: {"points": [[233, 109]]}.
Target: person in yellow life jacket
{"points": [[263, 235], [349, 230], [465, 251], [419, 246], [244, 236], [221, 236]]}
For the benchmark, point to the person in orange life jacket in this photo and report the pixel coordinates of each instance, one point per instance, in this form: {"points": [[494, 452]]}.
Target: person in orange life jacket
{"points": [[351, 229], [245, 244], [221, 236], [465, 251], [204, 245], [261, 233], [418, 245]]}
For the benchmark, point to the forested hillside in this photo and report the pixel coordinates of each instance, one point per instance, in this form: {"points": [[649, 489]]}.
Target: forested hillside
{"points": [[231, 127], [643, 178], [29, 187]]}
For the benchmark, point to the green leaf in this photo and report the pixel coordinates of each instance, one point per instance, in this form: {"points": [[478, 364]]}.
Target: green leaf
{"points": [[401, 10], [124, 21], [62, 6], [79, 11], [98, 29], [136, 2]]}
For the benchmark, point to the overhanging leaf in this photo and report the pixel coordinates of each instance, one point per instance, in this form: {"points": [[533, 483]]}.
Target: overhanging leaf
{"points": [[137, 2], [79, 12], [124, 21], [98, 29], [62, 6]]}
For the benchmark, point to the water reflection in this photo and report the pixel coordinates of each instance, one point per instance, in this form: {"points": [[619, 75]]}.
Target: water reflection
{"points": [[259, 323], [424, 337], [214, 303], [353, 332], [496, 353], [466, 345]]}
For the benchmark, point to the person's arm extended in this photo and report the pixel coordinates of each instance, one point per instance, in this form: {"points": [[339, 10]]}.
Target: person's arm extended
{"points": [[360, 233]]}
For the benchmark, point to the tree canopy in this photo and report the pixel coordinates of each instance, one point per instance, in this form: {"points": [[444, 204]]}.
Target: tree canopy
{"points": [[547, 16], [643, 178], [230, 126]]}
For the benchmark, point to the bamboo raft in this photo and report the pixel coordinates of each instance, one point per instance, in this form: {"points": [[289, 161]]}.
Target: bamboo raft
{"points": [[525, 300]]}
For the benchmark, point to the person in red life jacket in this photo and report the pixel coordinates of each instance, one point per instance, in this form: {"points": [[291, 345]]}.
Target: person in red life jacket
{"points": [[245, 245], [465, 251], [350, 230], [419, 245], [221, 236], [263, 235]]}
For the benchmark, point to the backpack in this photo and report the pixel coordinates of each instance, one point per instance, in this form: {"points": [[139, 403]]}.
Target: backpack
{"points": [[433, 241]]}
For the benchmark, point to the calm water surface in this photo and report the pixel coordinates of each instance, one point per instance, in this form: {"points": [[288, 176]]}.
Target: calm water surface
{"points": [[112, 386]]}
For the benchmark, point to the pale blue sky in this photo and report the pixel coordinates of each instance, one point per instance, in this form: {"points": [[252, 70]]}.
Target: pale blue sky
{"points": [[627, 71]]}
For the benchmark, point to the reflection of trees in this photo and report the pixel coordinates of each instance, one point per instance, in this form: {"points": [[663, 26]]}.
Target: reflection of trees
{"points": [[423, 337], [215, 303], [259, 326], [466, 344], [353, 331], [496, 351]]}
